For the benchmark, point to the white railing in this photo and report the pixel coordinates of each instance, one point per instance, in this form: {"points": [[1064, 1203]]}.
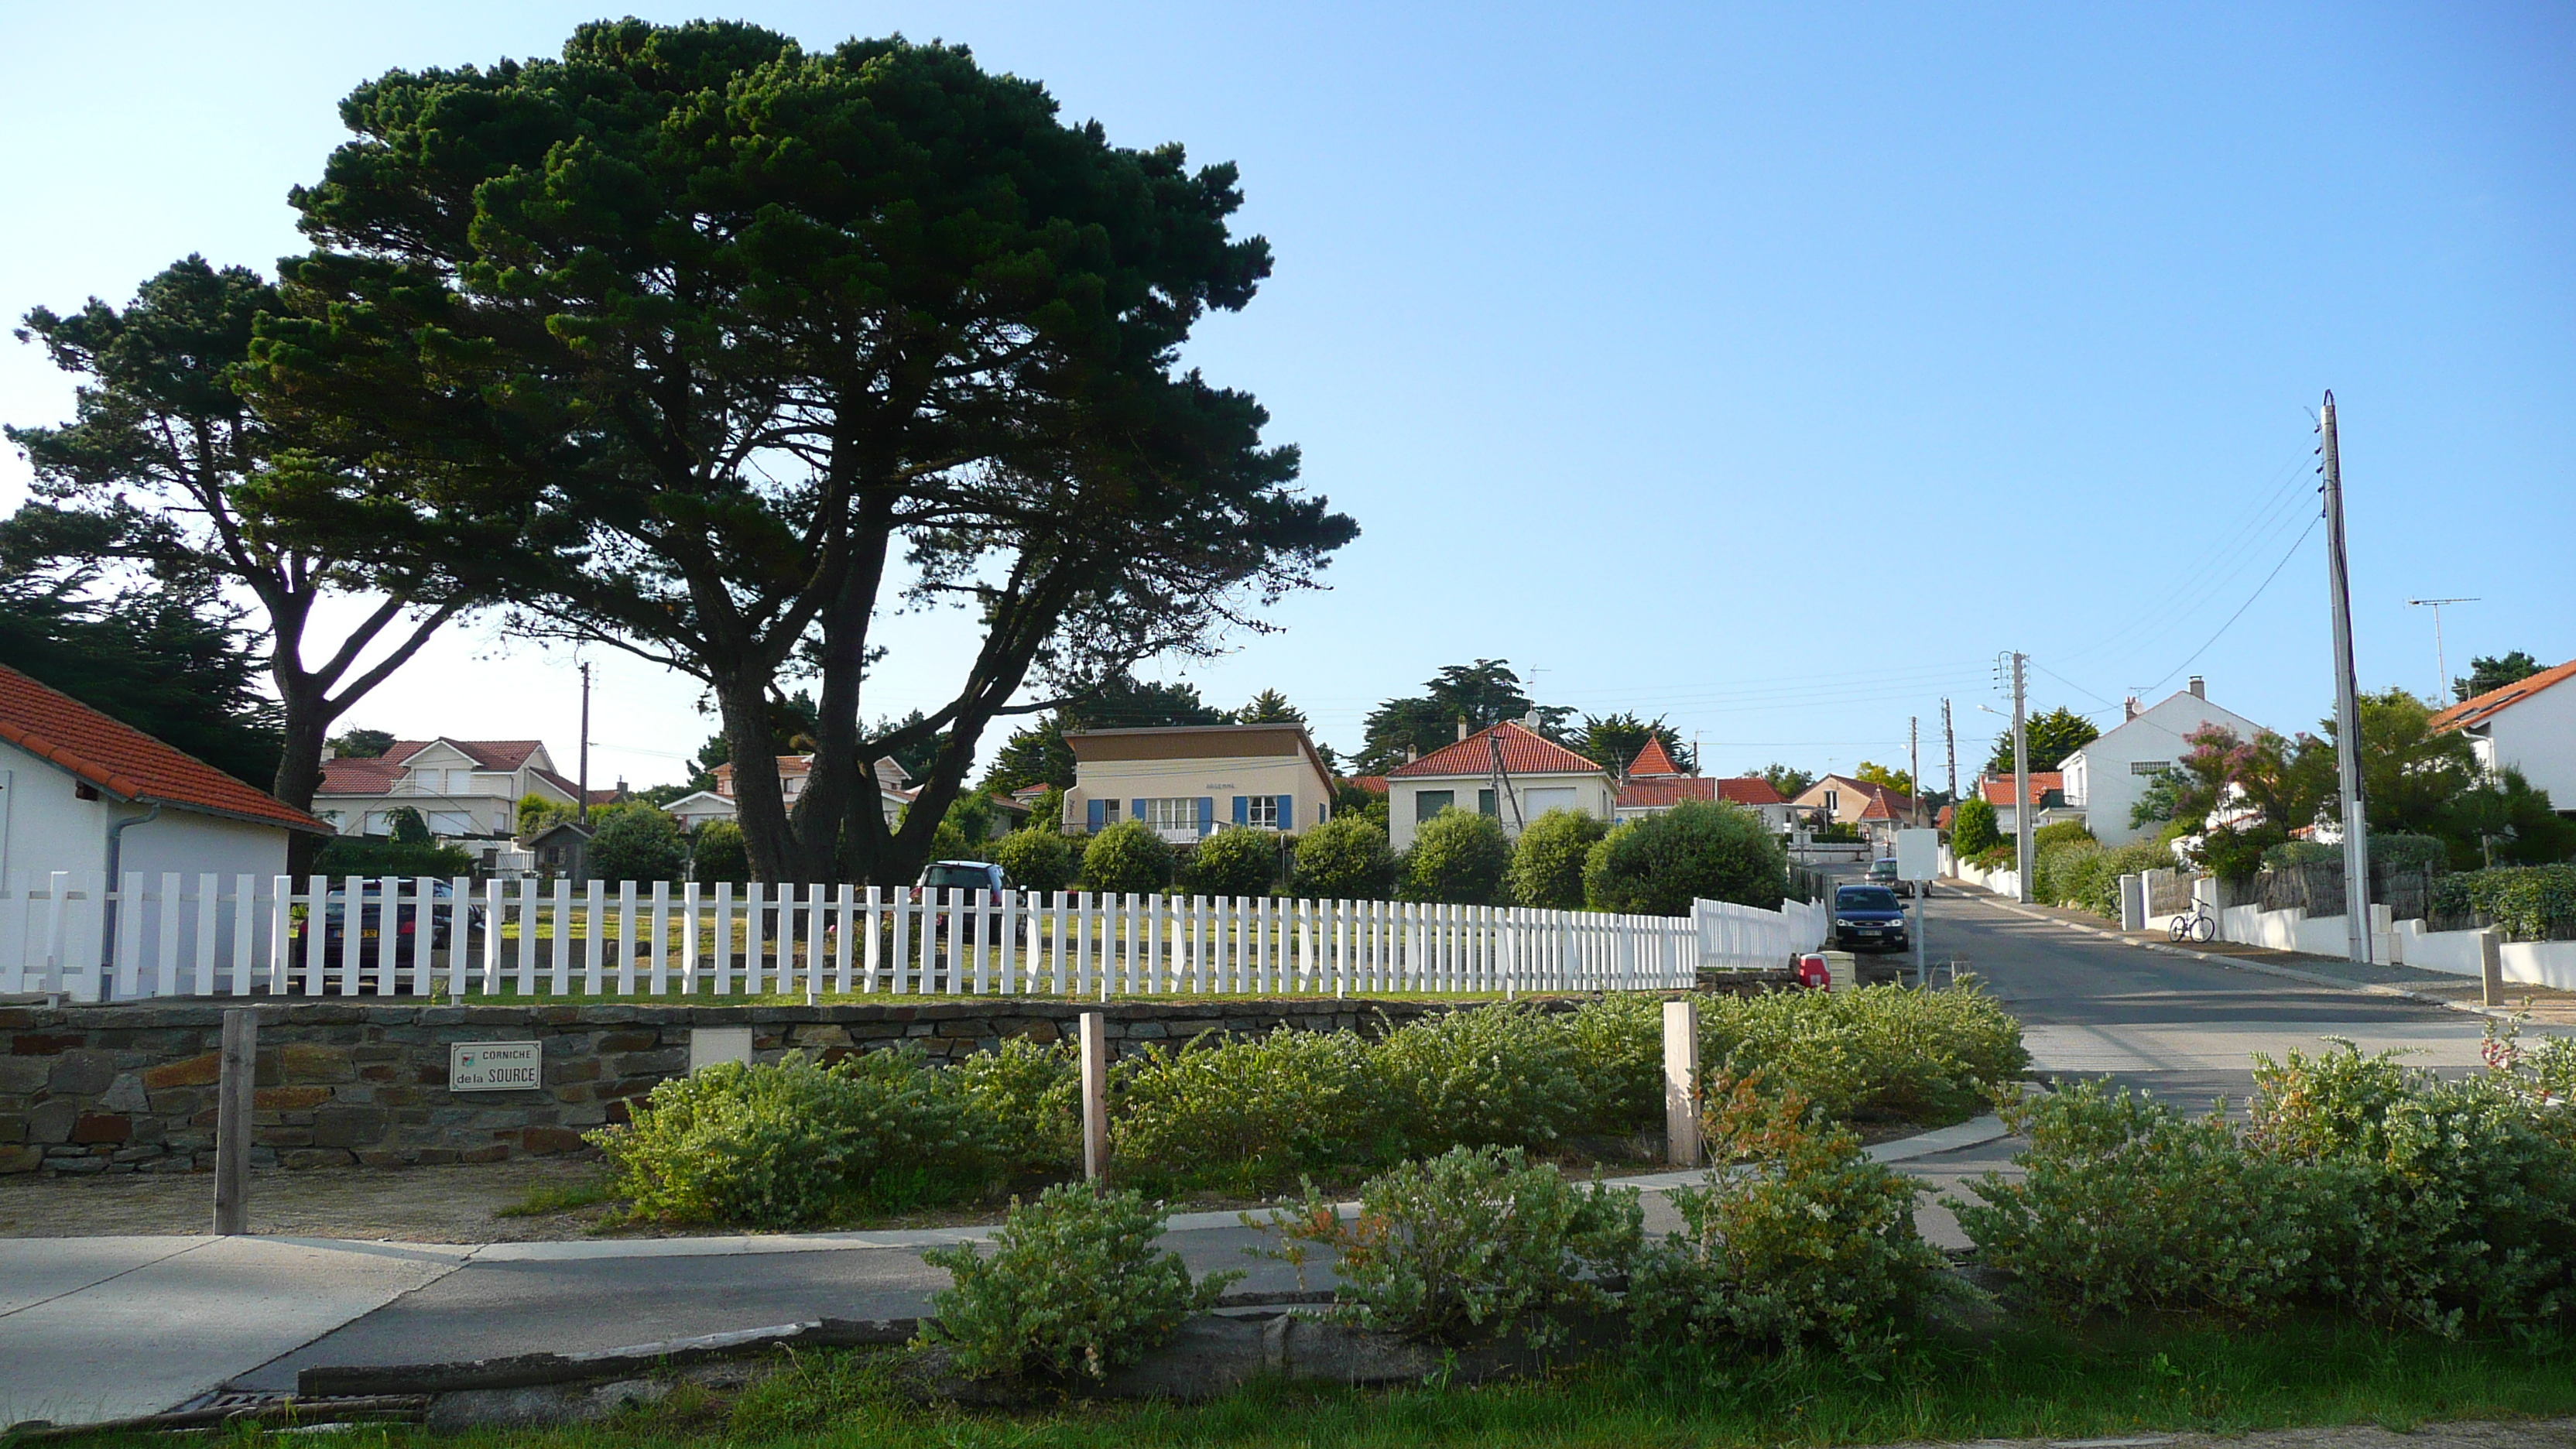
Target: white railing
{"points": [[206, 935], [1748, 938]]}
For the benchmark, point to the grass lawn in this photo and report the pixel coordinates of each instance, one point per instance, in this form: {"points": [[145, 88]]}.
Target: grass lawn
{"points": [[2024, 1383]]}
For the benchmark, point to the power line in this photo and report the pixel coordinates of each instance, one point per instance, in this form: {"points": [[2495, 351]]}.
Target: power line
{"points": [[2241, 608]]}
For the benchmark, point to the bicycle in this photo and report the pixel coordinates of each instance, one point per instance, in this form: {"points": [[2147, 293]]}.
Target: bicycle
{"points": [[2193, 925]]}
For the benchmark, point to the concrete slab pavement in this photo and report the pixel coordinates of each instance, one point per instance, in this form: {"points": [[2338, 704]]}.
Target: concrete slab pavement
{"points": [[164, 1324]]}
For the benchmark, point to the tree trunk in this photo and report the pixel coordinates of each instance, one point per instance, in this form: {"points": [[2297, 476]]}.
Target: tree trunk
{"points": [[307, 721], [832, 831], [760, 807]]}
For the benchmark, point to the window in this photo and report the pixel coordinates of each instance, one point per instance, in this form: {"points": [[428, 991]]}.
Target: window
{"points": [[379, 822], [1179, 812], [1261, 812], [460, 782], [1427, 803], [451, 822], [1833, 802], [2149, 767], [1485, 803], [1535, 803]]}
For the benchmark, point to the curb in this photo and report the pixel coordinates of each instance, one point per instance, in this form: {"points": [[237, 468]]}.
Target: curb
{"points": [[2258, 967]]}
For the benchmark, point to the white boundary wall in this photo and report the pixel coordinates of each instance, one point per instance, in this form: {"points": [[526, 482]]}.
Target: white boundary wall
{"points": [[212, 936]]}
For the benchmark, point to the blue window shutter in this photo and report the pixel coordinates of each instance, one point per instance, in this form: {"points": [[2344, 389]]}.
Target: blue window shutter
{"points": [[1207, 814], [1138, 807], [1243, 810], [1095, 810], [1287, 812]]}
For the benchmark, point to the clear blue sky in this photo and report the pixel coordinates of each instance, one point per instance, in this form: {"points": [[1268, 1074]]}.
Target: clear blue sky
{"points": [[1770, 369]]}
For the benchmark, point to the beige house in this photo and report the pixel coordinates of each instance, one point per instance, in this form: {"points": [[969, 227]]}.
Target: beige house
{"points": [[1541, 775], [1190, 781], [720, 803], [463, 789]]}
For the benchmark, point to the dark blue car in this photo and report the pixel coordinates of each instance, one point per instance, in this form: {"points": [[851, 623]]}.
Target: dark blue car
{"points": [[1868, 918]]}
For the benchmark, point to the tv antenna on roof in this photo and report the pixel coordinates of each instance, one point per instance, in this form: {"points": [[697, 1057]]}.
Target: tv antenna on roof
{"points": [[2439, 662]]}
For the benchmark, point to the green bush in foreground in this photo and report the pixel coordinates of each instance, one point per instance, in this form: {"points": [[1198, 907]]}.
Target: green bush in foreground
{"points": [[1250, 1112], [1074, 1288], [1809, 1243], [1469, 1246], [793, 1144]]}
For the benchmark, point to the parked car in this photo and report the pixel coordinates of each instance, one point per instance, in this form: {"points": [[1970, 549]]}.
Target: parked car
{"points": [[1868, 918], [371, 912], [1882, 872], [966, 875]]}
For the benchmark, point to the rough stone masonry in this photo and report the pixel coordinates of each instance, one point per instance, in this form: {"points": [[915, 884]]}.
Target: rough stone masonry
{"points": [[131, 1088]]}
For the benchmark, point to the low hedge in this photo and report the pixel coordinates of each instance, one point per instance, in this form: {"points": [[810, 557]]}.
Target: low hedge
{"points": [[2527, 902], [798, 1143]]}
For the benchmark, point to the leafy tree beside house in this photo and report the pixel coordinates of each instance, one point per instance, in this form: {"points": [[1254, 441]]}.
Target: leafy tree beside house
{"points": [[1972, 828], [1896, 780], [1270, 707], [1548, 860], [1346, 858], [1788, 781], [1459, 857], [1659, 865], [1612, 740], [716, 854], [2051, 737], [1484, 693], [638, 844], [360, 744]]}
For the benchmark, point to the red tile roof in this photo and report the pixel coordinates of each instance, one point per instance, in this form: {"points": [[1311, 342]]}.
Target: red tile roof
{"points": [[1748, 790], [123, 761], [1998, 789], [1665, 793], [1941, 821], [2478, 709], [377, 776], [1524, 753], [1653, 760], [1374, 784]]}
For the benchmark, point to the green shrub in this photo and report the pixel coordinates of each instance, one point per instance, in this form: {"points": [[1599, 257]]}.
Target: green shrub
{"points": [[2454, 1204], [2064, 832], [1619, 1060], [2126, 1206], [796, 1143], [1470, 1245], [1501, 1076], [1246, 1114], [1127, 858], [2088, 876], [717, 854], [1882, 1052], [2396, 850], [406, 827], [2300, 852], [1972, 828], [2526, 902], [1032, 1095], [362, 855], [1458, 857], [1037, 859], [640, 844], [1547, 863], [2058, 865], [1074, 1289], [1815, 1243], [2004, 854], [1696, 850], [1345, 859], [1238, 862]]}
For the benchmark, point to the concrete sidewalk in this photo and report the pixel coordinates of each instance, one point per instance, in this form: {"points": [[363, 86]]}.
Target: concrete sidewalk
{"points": [[100, 1328]]}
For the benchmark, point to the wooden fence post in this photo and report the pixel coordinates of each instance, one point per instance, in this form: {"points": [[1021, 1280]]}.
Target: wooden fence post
{"points": [[238, 1065], [1095, 1095], [2491, 967], [1681, 1082]]}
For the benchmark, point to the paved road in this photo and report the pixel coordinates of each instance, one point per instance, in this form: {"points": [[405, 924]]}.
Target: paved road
{"points": [[97, 1327], [2182, 1029]]}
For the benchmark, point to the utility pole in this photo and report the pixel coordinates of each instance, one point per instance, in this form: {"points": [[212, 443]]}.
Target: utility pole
{"points": [[2356, 827], [1914, 765], [2441, 663], [1950, 738], [581, 809], [1503, 786], [2022, 812]]}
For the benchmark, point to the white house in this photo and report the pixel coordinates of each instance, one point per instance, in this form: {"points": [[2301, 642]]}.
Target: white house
{"points": [[463, 789], [2105, 778], [1190, 781], [82, 792], [2528, 725], [721, 803], [1541, 774]]}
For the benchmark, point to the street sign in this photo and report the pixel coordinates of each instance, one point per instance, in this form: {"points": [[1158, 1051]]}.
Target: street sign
{"points": [[495, 1066], [1918, 855]]}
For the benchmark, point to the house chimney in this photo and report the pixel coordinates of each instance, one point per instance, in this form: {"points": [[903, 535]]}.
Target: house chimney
{"points": [[2199, 687], [1412, 753], [329, 754], [1462, 726], [2129, 708]]}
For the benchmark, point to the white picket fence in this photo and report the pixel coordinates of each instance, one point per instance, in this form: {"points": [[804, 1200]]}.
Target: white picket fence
{"points": [[215, 936]]}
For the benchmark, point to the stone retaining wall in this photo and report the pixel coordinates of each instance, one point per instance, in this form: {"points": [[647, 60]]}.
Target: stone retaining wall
{"points": [[131, 1088]]}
